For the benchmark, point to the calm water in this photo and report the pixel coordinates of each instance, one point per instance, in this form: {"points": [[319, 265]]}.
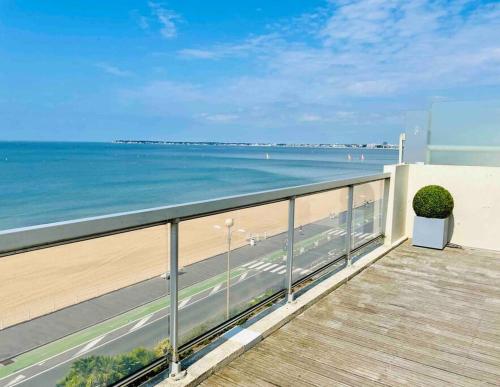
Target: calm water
{"points": [[48, 182]]}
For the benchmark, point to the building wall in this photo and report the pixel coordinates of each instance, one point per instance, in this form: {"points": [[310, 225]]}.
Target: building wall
{"points": [[395, 227], [476, 193]]}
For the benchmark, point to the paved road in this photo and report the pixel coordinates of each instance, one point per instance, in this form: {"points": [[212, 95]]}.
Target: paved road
{"points": [[39, 331], [257, 276], [155, 327], [43, 330]]}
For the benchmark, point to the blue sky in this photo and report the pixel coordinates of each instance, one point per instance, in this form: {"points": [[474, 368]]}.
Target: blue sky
{"points": [[291, 71]]}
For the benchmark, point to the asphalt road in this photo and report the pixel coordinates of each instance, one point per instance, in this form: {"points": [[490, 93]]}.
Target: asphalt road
{"points": [[257, 277]]}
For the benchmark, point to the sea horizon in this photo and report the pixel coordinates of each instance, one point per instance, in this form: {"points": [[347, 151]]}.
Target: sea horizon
{"points": [[46, 182]]}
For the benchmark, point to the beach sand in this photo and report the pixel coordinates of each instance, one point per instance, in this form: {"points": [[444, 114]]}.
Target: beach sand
{"points": [[42, 281]]}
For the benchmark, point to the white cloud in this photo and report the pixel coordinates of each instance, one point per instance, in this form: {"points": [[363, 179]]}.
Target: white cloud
{"points": [[220, 118], [310, 118], [197, 53], [167, 19], [252, 46], [353, 62], [113, 70]]}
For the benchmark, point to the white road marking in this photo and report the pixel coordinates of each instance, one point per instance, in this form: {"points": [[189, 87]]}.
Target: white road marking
{"points": [[140, 323], [270, 267], [184, 302], [89, 346], [278, 268], [255, 265], [243, 276], [16, 380], [305, 271], [247, 264], [98, 346], [262, 266], [282, 272], [215, 289], [297, 269], [343, 233]]}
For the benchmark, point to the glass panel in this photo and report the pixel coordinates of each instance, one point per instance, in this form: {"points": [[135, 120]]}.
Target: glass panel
{"points": [[100, 306], [366, 249], [320, 231], [465, 133], [367, 212], [416, 129], [251, 242]]}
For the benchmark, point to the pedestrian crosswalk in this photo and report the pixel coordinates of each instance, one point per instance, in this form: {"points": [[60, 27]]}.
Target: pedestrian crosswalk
{"points": [[277, 268], [270, 267], [338, 232]]}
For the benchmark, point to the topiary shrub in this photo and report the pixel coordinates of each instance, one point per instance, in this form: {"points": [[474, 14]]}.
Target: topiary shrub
{"points": [[433, 201]]}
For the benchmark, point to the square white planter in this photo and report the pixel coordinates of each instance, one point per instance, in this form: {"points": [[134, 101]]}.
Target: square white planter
{"points": [[429, 232]]}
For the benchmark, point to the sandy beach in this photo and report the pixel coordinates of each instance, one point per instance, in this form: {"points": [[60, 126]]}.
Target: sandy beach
{"points": [[42, 281]]}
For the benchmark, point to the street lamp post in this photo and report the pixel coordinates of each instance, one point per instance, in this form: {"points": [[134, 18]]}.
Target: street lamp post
{"points": [[229, 224]]}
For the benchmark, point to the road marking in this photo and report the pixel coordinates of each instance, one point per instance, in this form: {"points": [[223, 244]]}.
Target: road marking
{"points": [[16, 380], [260, 267], [117, 338], [215, 289], [89, 346], [305, 271], [270, 267], [99, 346], [278, 268], [282, 272], [343, 233], [184, 302], [140, 323], [248, 264], [297, 269], [243, 276], [255, 265]]}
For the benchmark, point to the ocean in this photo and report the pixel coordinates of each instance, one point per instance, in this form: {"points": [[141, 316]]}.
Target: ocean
{"points": [[48, 182]]}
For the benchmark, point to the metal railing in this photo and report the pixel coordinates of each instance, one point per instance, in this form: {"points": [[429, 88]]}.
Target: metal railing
{"points": [[41, 237]]}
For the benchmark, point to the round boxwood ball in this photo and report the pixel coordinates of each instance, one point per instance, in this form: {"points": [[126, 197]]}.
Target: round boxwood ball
{"points": [[433, 201]]}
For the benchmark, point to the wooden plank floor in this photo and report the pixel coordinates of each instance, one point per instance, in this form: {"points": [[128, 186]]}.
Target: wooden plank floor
{"points": [[415, 317]]}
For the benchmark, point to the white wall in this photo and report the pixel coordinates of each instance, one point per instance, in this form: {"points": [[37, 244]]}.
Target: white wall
{"points": [[476, 193], [395, 225]]}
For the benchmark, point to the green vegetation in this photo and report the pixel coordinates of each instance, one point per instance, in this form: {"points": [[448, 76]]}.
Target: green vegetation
{"points": [[94, 371], [433, 201]]}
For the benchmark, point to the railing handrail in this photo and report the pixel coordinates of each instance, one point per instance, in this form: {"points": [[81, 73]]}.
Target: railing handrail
{"points": [[35, 237]]}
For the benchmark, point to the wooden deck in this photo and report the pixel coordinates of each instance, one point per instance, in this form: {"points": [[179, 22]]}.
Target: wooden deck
{"points": [[415, 317]]}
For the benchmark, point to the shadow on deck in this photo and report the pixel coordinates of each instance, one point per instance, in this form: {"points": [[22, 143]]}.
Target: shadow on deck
{"points": [[415, 317]]}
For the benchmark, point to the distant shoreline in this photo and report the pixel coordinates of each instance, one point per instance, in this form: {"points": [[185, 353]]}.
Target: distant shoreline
{"points": [[251, 144]]}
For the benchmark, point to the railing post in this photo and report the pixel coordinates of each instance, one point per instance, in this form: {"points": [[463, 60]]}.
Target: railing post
{"points": [[175, 366], [289, 255], [385, 206], [401, 147], [350, 200]]}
